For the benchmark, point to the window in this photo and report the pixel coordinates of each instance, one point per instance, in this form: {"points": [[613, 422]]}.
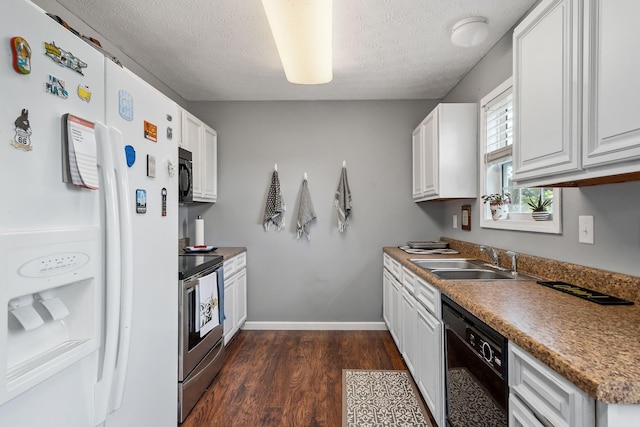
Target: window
{"points": [[496, 168]]}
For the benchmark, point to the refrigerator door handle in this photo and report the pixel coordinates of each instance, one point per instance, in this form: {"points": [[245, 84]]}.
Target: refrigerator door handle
{"points": [[127, 263], [103, 387]]}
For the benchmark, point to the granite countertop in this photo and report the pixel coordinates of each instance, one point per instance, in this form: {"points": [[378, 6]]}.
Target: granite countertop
{"points": [[226, 252], [597, 347]]}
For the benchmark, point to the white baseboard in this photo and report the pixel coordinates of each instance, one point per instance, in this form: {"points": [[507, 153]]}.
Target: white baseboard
{"points": [[316, 326]]}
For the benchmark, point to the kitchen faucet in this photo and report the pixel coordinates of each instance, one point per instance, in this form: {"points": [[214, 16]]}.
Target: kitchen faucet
{"points": [[493, 254], [514, 257]]}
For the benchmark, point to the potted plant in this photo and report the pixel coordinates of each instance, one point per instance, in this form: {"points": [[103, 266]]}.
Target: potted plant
{"points": [[499, 205], [539, 208]]}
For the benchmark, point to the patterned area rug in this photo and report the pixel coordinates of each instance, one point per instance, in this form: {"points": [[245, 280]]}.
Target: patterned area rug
{"points": [[472, 403], [381, 398]]}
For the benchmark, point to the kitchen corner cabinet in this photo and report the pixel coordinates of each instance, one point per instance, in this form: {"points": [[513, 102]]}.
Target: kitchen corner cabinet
{"points": [[235, 295], [444, 147], [202, 141], [575, 90]]}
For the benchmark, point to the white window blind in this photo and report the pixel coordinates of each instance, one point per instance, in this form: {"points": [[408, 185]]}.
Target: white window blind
{"points": [[499, 127]]}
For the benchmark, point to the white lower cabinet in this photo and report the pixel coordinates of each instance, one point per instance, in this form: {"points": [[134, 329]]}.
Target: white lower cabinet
{"points": [[409, 320], [429, 362], [412, 311], [392, 297], [235, 295], [540, 396]]}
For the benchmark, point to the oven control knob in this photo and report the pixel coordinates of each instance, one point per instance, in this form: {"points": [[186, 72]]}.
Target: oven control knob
{"points": [[487, 351]]}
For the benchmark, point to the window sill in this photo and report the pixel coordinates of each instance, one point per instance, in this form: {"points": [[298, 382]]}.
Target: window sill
{"points": [[524, 222]]}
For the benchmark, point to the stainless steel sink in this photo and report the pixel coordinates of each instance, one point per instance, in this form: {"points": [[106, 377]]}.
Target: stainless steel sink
{"points": [[469, 274], [458, 263], [467, 269]]}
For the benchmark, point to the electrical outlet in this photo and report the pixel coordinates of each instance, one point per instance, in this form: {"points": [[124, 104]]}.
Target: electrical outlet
{"points": [[455, 221], [585, 229]]}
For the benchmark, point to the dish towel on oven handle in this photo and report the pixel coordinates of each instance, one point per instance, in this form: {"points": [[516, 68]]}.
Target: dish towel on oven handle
{"points": [[208, 304], [274, 209], [306, 213], [343, 201]]}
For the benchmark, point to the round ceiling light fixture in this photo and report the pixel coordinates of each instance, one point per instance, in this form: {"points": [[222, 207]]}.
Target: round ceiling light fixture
{"points": [[470, 32]]}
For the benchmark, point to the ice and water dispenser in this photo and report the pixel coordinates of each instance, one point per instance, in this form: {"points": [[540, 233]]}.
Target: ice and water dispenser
{"points": [[51, 295]]}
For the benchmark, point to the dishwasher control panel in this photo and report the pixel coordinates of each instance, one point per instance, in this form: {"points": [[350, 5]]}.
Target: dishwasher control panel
{"points": [[490, 352]]}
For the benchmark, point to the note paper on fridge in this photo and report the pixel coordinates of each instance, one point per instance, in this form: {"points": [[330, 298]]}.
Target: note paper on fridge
{"points": [[82, 157]]}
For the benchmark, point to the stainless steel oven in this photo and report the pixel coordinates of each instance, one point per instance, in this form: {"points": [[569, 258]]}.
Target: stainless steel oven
{"points": [[476, 379], [185, 176], [201, 354]]}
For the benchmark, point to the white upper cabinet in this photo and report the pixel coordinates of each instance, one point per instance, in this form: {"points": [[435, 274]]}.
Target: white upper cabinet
{"points": [[612, 124], [444, 150], [546, 90], [575, 88], [202, 141], [210, 167]]}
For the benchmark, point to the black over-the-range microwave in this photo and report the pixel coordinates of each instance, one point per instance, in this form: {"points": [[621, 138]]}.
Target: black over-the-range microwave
{"points": [[185, 176]]}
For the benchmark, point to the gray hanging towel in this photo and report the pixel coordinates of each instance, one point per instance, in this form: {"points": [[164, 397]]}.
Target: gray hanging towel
{"points": [[274, 210], [343, 201], [306, 214]]}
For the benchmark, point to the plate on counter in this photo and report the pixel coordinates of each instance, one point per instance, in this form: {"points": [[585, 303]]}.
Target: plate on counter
{"points": [[428, 244], [415, 251], [199, 249]]}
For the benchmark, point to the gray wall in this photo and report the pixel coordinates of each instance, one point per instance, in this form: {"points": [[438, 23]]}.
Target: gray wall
{"points": [[615, 207], [332, 277]]}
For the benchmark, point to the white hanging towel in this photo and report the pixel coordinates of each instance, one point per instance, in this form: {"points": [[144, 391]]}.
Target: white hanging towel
{"points": [[343, 201], [274, 209], [208, 315], [306, 213]]}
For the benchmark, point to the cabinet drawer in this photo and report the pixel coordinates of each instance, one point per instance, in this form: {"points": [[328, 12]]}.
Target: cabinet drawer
{"points": [[429, 297], [393, 266], [548, 394], [233, 265], [409, 281], [520, 415]]}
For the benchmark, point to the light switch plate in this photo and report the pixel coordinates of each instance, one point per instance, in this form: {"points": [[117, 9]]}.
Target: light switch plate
{"points": [[585, 229]]}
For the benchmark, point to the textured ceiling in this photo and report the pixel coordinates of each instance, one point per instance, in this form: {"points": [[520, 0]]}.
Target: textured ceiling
{"points": [[223, 49]]}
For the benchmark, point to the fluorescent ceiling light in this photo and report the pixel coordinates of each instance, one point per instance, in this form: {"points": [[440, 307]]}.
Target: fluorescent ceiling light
{"points": [[470, 32], [302, 31]]}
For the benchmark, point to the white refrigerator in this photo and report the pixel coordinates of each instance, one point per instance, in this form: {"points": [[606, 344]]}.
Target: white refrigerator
{"points": [[88, 267]]}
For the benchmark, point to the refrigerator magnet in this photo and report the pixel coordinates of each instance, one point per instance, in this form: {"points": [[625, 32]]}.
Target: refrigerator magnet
{"points": [[21, 55], [125, 105], [141, 201], [22, 138], [55, 86], [163, 193], [151, 166], [130, 155], [169, 133], [64, 58], [150, 131], [84, 93]]}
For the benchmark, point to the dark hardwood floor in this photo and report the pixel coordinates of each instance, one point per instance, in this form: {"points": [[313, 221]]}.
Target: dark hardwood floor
{"points": [[289, 378]]}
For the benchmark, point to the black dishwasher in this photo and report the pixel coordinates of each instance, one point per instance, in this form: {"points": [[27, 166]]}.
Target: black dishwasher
{"points": [[477, 389]]}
